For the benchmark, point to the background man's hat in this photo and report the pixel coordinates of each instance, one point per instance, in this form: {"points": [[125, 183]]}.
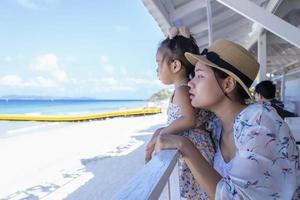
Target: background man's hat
{"points": [[230, 58]]}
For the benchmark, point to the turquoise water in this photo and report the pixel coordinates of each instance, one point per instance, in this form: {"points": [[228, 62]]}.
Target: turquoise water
{"points": [[66, 107], [56, 107]]}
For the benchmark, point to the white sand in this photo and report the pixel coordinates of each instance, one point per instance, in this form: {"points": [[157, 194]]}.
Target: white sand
{"points": [[88, 160]]}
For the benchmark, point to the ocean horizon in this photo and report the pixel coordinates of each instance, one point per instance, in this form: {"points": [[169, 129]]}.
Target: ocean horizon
{"points": [[70, 106], [57, 107]]}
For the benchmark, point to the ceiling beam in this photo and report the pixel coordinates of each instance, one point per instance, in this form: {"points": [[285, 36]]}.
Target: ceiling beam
{"points": [[232, 32], [269, 21], [220, 17], [273, 39], [292, 73], [185, 9], [284, 57]]}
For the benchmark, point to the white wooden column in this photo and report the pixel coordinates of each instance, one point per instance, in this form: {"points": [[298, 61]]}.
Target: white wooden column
{"points": [[282, 90], [262, 56], [209, 22]]}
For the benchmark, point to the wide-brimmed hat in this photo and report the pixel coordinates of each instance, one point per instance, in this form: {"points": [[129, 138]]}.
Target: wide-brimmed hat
{"points": [[231, 58]]}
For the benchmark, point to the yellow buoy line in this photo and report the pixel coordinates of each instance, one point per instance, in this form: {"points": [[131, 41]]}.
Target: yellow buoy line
{"points": [[134, 112]]}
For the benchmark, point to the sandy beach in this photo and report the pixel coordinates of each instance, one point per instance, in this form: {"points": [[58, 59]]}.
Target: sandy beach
{"points": [[87, 160]]}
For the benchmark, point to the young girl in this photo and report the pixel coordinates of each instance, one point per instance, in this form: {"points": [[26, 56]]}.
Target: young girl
{"points": [[256, 154], [183, 119]]}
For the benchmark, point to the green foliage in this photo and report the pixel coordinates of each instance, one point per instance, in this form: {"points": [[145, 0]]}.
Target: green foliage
{"points": [[161, 95]]}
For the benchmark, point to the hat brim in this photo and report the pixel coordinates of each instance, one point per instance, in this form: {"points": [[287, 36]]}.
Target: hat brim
{"points": [[193, 59]]}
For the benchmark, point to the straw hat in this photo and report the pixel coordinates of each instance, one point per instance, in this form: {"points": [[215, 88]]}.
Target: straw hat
{"points": [[230, 58]]}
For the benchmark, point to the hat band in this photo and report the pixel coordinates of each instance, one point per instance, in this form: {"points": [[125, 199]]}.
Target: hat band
{"points": [[215, 58]]}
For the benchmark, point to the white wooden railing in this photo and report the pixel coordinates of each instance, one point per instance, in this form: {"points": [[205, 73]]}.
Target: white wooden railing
{"points": [[153, 178], [294, 125]]}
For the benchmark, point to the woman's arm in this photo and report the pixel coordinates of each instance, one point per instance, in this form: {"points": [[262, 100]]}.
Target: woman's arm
{"points": [[188, 113], [204, 173], [151, 145]]}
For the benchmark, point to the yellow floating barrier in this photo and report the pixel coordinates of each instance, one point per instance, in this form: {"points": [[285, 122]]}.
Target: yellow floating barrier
{"points": [[143, 111]]}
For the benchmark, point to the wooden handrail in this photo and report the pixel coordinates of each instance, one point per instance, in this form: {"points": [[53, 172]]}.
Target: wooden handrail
{"points": [[149, 182]]}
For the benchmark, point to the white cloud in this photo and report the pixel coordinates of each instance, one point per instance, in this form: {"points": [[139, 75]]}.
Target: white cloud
{"points": [[144, 82], [104, 84], [110, 82], [11, 80], [46, 62], [60, 75], [46, 82], [49, 64]]}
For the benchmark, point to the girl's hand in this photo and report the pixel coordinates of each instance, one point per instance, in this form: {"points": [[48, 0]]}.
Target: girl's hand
{"points": [[169, 141], [151, 145]]}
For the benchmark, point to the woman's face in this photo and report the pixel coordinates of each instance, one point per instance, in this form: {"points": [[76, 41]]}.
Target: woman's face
{"points": [[163, 68], [205, 91]]}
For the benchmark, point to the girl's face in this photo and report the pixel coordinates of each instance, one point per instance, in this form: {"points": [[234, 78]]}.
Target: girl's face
{"points": [[163, 68], [205, 91]]}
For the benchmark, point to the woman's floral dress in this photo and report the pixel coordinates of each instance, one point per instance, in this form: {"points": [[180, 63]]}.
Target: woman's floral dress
{"points": [[266, 164], [189, 188]]}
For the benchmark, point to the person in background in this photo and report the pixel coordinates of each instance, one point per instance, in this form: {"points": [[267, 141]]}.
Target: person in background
{"points": [[183, 119], [265, 92], [256, 155]]}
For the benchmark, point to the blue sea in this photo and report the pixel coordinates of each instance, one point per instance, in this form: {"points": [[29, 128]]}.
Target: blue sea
{"points": [[56, 107]]}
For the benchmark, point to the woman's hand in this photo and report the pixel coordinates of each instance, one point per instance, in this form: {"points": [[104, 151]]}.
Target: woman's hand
{"points": [[151, 145]]}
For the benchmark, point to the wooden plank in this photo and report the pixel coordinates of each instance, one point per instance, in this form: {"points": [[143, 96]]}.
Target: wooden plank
{"points": [[187, 8], [150, 181]]}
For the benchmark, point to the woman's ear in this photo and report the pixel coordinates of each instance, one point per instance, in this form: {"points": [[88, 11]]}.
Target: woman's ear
{"points": [[229, 84], [176, 66]]}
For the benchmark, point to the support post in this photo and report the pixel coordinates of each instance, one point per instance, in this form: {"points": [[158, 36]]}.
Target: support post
{"points": [[282, 91], [262, 56], [209, 22]]}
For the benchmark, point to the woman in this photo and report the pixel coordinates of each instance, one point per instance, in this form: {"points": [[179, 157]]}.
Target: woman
{"points": [[256, 155]]}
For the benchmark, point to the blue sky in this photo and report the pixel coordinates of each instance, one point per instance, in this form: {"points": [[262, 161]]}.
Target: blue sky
{"points": [[75, 48]]}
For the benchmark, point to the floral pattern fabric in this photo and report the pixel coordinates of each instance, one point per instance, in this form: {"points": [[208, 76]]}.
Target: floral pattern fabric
{"points": [[266, 164], [189, 189]]}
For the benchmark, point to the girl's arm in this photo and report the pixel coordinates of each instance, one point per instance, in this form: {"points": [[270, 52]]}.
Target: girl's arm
{"points": [[188, 113], [205, 175]]}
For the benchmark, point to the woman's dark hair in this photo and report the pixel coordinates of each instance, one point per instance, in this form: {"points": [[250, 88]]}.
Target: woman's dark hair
{"points": [[241, 93], [176, 48]]}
